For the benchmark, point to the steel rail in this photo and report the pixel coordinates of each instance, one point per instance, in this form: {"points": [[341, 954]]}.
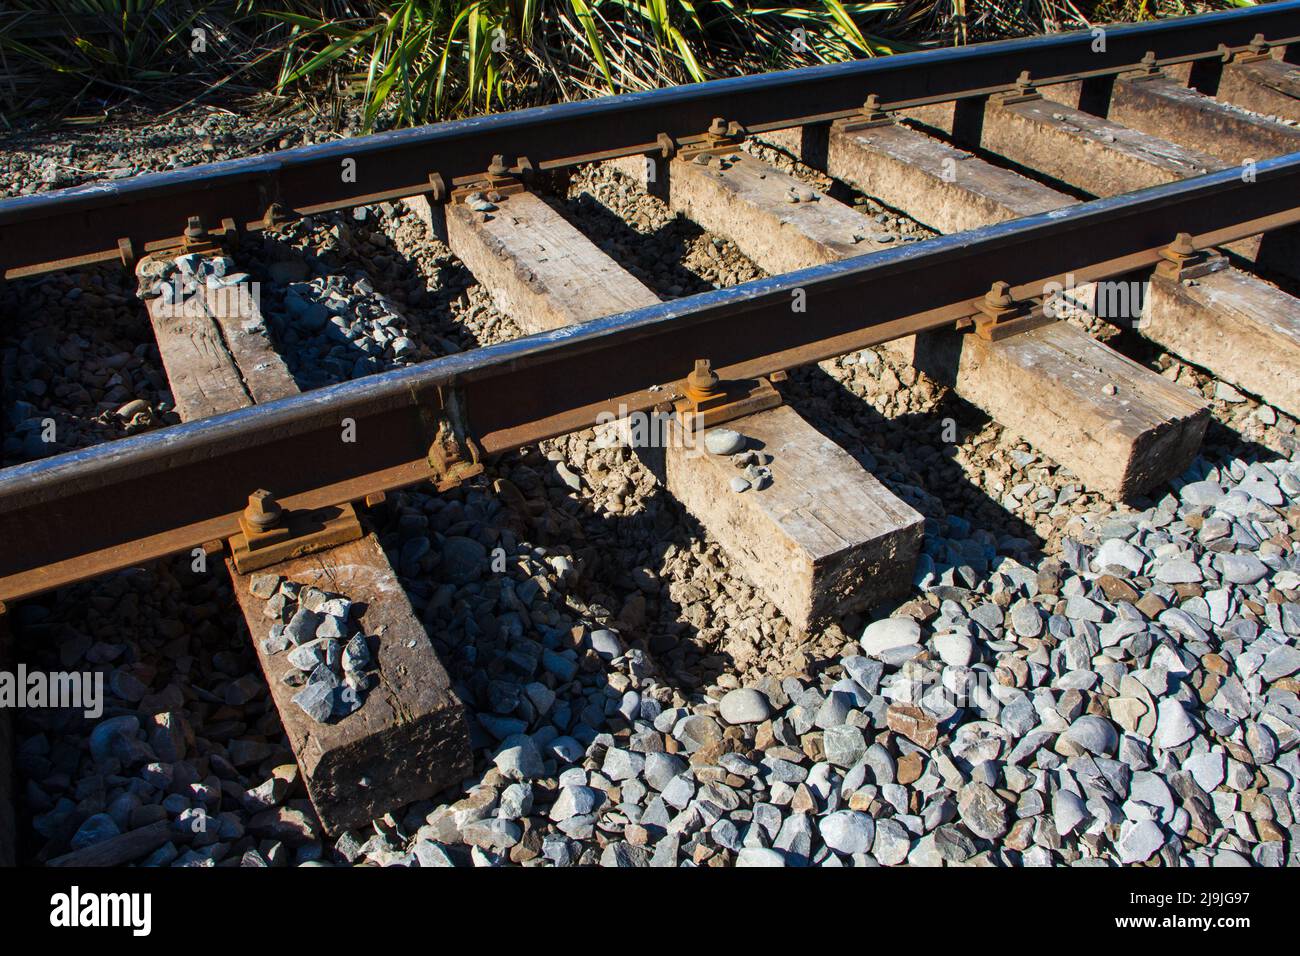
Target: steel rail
{"points": [[115, 505], [91, 223]]}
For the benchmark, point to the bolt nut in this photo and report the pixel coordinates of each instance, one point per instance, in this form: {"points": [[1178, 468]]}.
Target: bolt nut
{"points": [[1180, 248], [263, 510], [702, 379], [999, 295]]}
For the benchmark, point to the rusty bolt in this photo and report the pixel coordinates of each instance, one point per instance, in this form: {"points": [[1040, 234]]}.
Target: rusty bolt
{"points": [[1181, 247], [498, 166], [718, 127], [999, 295], [194, 228], [872, 105], [1258, 44], [1023, 83], [263, 510], [702, 380]]}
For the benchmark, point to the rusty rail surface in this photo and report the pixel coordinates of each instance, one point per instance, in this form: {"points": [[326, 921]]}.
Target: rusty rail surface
{"points": [[103, 222], [88, 512]]}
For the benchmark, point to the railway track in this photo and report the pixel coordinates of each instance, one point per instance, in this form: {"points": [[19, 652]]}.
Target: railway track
{"points": [[83, 225], [1064, 164]]}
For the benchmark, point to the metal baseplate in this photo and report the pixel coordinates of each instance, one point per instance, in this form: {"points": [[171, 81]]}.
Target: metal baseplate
{"points": [[1258, 49], [708, 400], [1148, 69], [999, 316], [1023, 93], [500, 180], [196, 238], [722, 139], [492, 191], [871, 117], [271, 534], [1182, 260]]}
